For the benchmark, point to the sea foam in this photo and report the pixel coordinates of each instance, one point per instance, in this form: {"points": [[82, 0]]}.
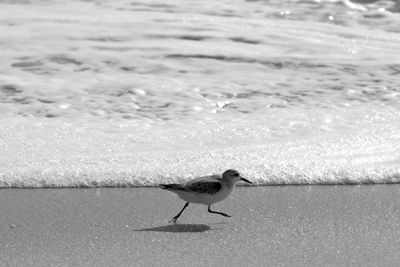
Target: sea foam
{"points": [[46, 153], [116, 93]]}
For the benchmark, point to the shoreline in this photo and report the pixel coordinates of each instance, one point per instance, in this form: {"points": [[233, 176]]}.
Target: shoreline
{"points": [[157, 187], [270, 225]]}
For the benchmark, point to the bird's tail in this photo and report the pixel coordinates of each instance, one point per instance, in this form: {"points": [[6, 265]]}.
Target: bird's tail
{"points": [[171, 186]]}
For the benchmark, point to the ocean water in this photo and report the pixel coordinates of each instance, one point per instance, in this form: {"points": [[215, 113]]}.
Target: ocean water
{"points": [[134, 93]]}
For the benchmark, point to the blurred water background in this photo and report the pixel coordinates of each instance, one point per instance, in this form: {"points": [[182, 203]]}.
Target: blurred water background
{"points": [[134, 93]]}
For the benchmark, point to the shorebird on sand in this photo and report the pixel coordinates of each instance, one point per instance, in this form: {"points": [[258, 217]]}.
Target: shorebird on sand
{"points": [[206, 190]]}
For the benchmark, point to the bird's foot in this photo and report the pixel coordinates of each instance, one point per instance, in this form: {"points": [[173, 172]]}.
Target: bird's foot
{"points": [[173, 220]]}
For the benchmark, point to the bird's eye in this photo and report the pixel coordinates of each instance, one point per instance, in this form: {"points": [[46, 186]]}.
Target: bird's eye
{"points": [[236, 174]]}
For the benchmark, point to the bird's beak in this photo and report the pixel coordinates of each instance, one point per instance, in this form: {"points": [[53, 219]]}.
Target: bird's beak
{"points": [[245, 180]]}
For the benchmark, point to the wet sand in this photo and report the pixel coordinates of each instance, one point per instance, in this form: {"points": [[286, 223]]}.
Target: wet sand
{"points": [[273, 225]]}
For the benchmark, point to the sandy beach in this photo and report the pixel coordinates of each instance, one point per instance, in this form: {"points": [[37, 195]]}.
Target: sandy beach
{"points": [[275, 225]]}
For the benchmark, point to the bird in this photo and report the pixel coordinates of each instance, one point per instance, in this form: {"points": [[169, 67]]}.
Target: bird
{"points": [[206, 190]]}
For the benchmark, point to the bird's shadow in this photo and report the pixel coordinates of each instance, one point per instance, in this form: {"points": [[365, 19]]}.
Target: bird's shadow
{"points": [[179, 228]]}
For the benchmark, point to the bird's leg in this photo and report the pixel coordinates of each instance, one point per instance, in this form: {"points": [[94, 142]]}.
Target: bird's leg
{"points": [[221, 213], [179, 214]]}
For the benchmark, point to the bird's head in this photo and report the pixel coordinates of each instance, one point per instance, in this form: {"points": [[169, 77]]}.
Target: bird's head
{"points": [[233, 176]]}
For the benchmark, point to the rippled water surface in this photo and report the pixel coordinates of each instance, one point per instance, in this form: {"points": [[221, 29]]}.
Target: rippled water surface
{"points": [[121, 93]]}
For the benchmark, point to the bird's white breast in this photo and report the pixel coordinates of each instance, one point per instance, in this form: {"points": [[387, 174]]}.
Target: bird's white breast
{"points": [[203, 198]]}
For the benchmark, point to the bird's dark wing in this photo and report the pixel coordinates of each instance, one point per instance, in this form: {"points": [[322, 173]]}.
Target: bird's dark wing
{"points": [[171, 186], [207, 186]]}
